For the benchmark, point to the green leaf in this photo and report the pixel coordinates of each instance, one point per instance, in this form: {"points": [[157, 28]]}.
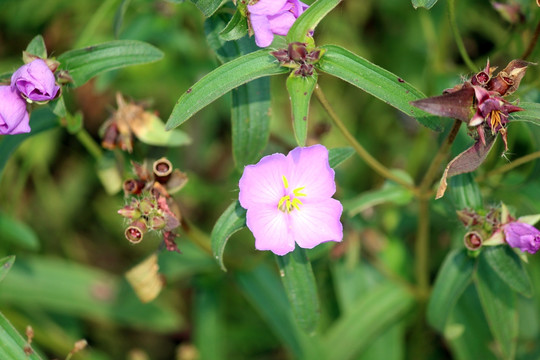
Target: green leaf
{"points": [[374, 312], [428, 4], [18, 233], [390, 192], [5, 265], [262, 288], [84, 64], [299, 283], [531, 113], [37, 47], [465, 192], [309, 20], [41, 120], [119, 17], [300, 89], [236, 28], [338, 155], [68, 288], [509, 267], [220, 81], [232, 220], [209, 336], [499, 305], [453, 277], [58, 107], [467, 331], [250, 113], [208, 7], [12, 344], [376, 81]]}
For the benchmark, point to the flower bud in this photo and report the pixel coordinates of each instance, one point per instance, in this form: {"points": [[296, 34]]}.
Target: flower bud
{"points": [[14, 118], [157, 222], [297, 51], [162, 170], [281, 55], [35, 81], [130, 212], [135, 232], [473, 240], [133, 186], [109, 137], [146, 206]]}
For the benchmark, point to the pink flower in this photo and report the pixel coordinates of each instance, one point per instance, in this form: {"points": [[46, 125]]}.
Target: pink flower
{"points": [[35, 81], [273, 17], [522, 236], [13, 115], [289, 200]]}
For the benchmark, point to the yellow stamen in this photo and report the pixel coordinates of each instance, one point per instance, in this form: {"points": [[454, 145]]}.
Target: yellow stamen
{"points": [[285, 182], [286, 203], [297, 192], [495, 116]]}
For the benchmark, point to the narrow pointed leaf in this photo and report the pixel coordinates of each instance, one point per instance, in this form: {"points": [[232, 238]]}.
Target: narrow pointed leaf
{"points": [[262, 288], [428, 4], [17, 233], [338, 155], [232, 220], [453, 277], [250, 112], [83, 64], [12, 344], [531, 113], [5, 265], [374, 312], [207, 7], [309, 20], [300, 89], [466, 162], [299, 282], [465, 192], [37, 47], [376, 81], [236, 28], [455, 105], [220, 81], [507, 264], [250, 117], [499, 305]]}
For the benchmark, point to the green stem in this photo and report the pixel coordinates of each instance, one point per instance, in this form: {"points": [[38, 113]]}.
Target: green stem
{"points": [[89, 143], [457, 36], [360, 150]]}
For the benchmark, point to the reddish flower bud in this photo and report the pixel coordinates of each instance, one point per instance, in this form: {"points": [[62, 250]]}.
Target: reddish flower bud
{"points": [[162, 170], [281, 55], [135, 232], [297, 51], [473, 240], [110, 136], [130, 212], [157, 222], [133, 186], [146, 206]]}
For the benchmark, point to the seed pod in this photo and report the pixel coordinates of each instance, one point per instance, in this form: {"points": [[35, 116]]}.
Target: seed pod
{"points": [[133, 186], [162, 170], [135, 232], [473, 240]]}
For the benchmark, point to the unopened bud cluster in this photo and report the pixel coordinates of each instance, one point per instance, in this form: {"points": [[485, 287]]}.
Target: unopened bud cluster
{"points": [[298, 56], [497, 227], [151, 206]]}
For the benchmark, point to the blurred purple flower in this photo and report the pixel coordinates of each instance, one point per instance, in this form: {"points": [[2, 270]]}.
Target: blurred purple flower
{"points": [[35, 81], [13, 115], [273, 17], [289, 200], [522, 236]]}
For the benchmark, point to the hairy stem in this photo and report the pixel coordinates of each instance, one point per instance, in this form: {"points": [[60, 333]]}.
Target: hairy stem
{"points": [[360, 150], [507, 167], [457, 36]]}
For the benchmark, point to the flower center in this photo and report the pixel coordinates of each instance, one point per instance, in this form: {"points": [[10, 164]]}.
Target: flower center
{"points": [[289, 202], [495, 117]]}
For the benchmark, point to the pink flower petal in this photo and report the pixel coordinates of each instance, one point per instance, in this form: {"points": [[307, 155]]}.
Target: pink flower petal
{"points": [[13, 115], [298, 8], [310, 169], [316, 223], [267, 7], [270, 227], [281, 23], [261, 27], [262, 183]]}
